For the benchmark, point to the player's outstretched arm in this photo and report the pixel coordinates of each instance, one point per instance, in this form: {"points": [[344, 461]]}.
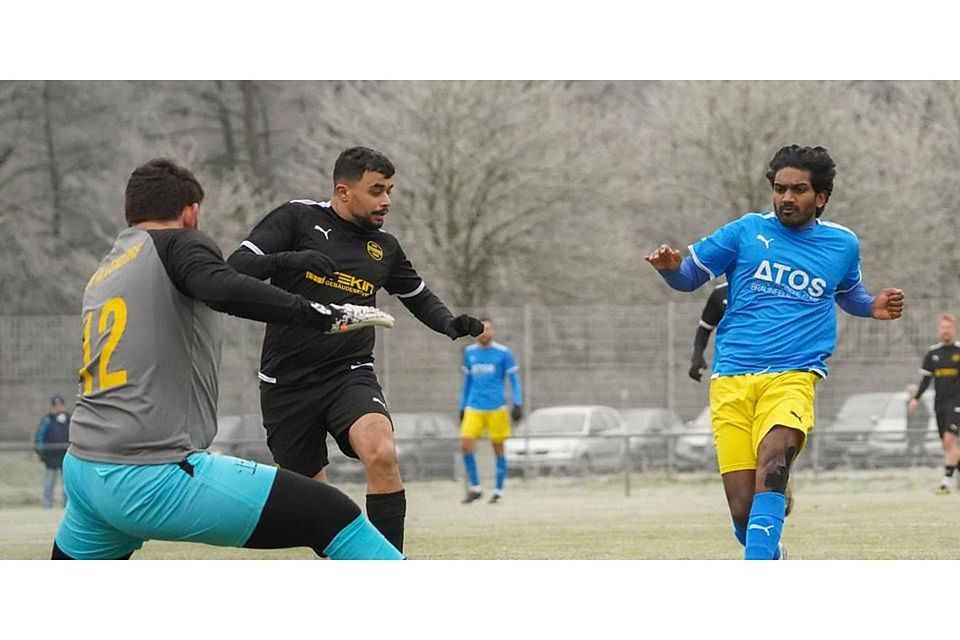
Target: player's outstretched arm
{"points": [[430, 310], [680, 274], [195, 266]]}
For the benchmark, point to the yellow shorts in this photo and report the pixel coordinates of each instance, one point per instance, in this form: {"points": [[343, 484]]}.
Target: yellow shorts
{"points": [[475, 422], [745, 408]]}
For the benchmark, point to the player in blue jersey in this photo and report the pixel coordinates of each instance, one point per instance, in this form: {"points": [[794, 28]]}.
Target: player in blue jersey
{"points": [[483, 406], [785, 268]]}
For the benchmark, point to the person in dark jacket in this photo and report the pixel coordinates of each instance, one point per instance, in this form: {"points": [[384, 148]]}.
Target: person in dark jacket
{"points": [[53, 435]]}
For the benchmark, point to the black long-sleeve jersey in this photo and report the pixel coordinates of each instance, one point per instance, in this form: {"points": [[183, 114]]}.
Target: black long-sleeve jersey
{"points": [[942, 365], [365, 261]]}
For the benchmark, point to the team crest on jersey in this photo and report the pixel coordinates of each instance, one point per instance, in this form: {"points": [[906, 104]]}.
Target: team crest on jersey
{"points": [[955, 357], [375, 250]]}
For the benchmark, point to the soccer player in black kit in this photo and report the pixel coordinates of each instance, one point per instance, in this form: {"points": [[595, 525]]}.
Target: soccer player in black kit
{"points": [[336, 252], [942, 365]]}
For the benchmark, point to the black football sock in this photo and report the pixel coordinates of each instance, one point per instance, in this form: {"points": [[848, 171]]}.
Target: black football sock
{"points": [[387, 512]]}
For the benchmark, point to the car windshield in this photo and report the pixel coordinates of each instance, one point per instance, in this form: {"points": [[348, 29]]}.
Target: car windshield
{"points": [[556, 422], [897, 408]]}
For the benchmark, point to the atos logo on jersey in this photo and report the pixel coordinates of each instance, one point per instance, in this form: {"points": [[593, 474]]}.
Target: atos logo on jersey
{"points": [[375, 250], [797, 279], [483, 369], [344, 282]]}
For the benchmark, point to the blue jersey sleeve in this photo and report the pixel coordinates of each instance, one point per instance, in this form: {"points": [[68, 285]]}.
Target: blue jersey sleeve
{"points": [[510, 368], [852, 277], [714, 254]]}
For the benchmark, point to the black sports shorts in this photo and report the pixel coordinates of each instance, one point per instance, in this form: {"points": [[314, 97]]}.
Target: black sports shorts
{"points": [[299, 417], [948, 420]]}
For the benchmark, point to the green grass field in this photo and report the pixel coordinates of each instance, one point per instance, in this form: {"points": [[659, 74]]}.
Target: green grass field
{"points": [[847, 515]]}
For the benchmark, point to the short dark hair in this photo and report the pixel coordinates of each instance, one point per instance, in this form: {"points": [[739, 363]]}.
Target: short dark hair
{"points": [[816, 160], [355, 161], [159, 190]]}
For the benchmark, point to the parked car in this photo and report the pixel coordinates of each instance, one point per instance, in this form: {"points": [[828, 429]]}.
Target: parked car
{"points": [[693, 448], [428, 446], [568, 439], [652, 426], [870, 429]]}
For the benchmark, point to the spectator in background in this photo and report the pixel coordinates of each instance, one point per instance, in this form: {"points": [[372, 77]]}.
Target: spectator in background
{"points": [[53, 435], [917, 423]]}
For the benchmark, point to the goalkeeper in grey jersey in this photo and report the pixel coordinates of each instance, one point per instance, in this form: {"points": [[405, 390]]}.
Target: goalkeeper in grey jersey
{"points": [[137, 468]]}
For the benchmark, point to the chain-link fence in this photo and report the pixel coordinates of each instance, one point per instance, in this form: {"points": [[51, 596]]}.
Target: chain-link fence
{"points": [[621, 356]]}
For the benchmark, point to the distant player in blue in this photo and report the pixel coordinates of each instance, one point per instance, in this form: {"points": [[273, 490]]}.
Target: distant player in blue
{"points": [[785, 268], [484, 407]]}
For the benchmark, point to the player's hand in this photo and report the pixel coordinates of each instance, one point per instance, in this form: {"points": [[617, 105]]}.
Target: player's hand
{"points": [[697, 364], [306, 260], [516, 413], [912, 406], [664, 259], [888, 304], [463, 325]]}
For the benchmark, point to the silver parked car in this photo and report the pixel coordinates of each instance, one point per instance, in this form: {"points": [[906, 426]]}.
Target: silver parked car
{"points": [[870, 430], [694, 449], [569, 439]]}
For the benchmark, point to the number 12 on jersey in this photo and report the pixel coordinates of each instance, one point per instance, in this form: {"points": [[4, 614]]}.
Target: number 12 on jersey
{"points": [[117, 309]]}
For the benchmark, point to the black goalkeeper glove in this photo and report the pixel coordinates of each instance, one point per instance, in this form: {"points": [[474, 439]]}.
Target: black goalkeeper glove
{"points": [[516, 413], [306, 260], [697, 364], [462, 326]]}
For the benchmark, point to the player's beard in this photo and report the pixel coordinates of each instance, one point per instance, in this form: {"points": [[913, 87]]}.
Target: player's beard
{"points": [[797, 217], [370, 224]]}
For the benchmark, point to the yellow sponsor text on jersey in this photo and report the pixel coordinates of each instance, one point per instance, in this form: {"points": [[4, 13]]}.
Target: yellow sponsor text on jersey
{"points": [[946, 373], [123, 259], [344, 282]]}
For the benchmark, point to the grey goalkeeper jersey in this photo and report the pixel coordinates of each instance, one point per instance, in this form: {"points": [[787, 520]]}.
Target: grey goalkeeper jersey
{"points": [[151, 344]]}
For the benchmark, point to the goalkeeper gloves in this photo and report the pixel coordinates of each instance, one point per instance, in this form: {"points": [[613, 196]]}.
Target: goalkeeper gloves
{"points": [[462, 326]]}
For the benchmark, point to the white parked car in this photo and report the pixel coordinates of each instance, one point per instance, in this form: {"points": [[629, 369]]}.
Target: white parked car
{"points": [[570, 439], [693, 448]]}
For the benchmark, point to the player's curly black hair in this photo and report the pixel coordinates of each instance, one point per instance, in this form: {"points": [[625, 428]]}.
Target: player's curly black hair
{"points": [[352, 163], [159, 190], [816, 160]]}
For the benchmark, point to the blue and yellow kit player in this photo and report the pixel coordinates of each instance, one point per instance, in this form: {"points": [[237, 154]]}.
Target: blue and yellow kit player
{"points": [[787, 269], [483, 406]]}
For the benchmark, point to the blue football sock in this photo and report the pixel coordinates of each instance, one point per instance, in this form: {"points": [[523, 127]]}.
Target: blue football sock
{"points": [[740, 533], [360, 540], [501, 471], [470, 462], [765, 525]]}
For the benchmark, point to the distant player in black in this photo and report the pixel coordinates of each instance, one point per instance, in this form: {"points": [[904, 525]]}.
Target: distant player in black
{"points": [[709, 319], [310, 385], [942, 364]]}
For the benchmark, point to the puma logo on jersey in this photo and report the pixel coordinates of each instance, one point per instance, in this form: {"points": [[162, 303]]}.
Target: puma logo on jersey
{"points": [[798, 279], [765, 529], [378, 400], [325, 232], [764, 240], [794, 414]]}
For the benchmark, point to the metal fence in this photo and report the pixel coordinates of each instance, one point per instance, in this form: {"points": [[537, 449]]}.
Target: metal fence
{"points": [[623, 356]]}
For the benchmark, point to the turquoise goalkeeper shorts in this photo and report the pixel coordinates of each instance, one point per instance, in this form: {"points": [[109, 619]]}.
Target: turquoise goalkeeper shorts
{"points": [[112, 509]]}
